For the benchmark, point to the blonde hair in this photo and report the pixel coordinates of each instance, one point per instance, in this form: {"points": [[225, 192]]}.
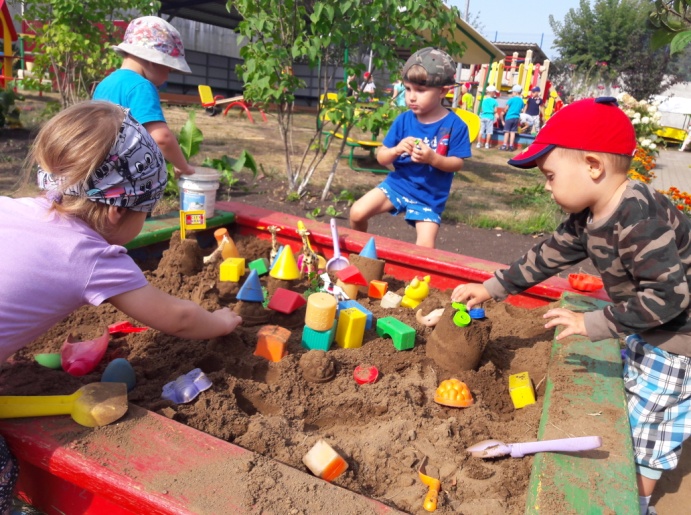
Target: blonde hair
{"points": [[620, 163], [72, 145]]}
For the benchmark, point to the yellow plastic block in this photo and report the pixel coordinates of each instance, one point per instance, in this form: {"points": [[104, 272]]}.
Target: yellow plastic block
{"points": [[232, 269], [321, 311], [349, 289], [351, 328], [416, 292], [521, 390]]}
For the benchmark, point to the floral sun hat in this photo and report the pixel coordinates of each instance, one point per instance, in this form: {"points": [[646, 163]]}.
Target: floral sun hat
{"points": [[155, 40]]}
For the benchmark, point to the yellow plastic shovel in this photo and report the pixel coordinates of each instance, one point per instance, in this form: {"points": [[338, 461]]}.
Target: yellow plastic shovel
{"points": [[95, 404]]}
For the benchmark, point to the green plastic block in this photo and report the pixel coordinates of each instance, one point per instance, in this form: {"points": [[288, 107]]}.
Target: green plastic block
{"points": [[261, 265], [403, 335], [318, 340]]}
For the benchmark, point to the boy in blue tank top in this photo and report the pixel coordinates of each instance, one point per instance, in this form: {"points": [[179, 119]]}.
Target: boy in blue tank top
{"points": [[426, 145]]}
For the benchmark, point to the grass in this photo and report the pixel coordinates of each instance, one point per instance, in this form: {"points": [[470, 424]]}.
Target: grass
{"points": [[487, 193]]}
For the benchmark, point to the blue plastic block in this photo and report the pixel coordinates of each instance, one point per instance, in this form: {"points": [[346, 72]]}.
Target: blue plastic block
{"points": [[369, 250], [477, 313], [251, 290], [345, 304], [318, 340], [120, 371]]}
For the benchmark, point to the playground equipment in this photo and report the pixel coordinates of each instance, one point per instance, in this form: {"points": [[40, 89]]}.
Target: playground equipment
{"points": [[9, 36], [214, 104]]}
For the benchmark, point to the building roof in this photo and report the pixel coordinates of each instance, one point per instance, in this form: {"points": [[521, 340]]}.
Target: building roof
{"points": [[479, 50], [510, 47]]}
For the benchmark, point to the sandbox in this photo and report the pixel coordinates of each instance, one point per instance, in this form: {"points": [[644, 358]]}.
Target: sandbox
{"points": [[382, 429]]}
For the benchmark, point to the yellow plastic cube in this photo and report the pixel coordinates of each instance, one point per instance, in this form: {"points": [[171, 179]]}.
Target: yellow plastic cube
{"points": [[521, 390], [232, 269], [351, 328]]}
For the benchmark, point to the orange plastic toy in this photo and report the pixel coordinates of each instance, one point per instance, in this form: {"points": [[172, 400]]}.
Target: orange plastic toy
{"points": [[585, 282], [454, 393], [271, 342]]}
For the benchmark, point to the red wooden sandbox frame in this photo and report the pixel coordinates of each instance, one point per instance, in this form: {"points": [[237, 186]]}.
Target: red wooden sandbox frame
{"points": [[61, 474]]}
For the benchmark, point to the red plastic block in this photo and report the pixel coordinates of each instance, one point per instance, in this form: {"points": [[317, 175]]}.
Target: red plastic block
{"points": [[351, 275], [286, 301], [271, 342]]}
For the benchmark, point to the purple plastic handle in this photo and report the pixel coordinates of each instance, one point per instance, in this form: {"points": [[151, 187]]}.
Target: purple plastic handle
{"points": [[581, 443], [334, 237]]}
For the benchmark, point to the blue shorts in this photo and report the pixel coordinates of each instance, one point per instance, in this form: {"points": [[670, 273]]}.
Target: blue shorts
{"points": [[414, 210], [511, 125], [658, 394]]}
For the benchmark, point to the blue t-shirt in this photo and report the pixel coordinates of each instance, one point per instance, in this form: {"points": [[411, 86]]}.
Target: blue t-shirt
{"points": [[514, 106], [421, 182], [129, 89], [533, 106], [488, 107]]}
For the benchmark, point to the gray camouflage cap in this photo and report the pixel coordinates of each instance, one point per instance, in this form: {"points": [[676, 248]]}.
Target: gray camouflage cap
{"points": [[438, 64]]}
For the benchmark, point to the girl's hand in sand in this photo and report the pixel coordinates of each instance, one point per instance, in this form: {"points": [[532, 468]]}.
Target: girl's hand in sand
{"points": [[470, 294], [574, 323], [230, 318]]}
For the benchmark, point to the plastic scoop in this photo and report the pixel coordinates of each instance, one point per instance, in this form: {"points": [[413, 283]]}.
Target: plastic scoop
{"points": [[125, 327], [186, 387], [337, 262], [495, 448], [96, 404], [80, 358], [430, 502]]}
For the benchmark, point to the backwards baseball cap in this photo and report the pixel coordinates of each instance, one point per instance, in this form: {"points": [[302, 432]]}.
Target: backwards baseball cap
{"points": [[155, 40], [439, 66], [592, 124]]}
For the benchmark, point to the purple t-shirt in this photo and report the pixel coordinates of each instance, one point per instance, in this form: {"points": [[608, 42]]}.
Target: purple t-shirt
{"points": [[52, 265]]}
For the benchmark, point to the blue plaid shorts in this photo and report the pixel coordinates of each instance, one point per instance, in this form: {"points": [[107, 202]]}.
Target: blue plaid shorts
{"points": [[414, 210], [658, 392]]}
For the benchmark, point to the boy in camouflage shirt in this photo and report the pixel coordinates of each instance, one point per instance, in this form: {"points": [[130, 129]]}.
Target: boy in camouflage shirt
{"points": [[641, 244]]}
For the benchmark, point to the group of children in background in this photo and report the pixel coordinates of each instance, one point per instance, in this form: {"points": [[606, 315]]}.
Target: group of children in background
{"points": [[102, 169]]}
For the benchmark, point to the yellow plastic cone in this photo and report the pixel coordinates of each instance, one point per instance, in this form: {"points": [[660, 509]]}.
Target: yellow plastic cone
{"points": [[285, 267]]}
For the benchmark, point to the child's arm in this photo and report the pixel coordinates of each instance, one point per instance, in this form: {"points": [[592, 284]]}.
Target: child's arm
{"points": [[386, 156], [168, 143], [154, 308]]}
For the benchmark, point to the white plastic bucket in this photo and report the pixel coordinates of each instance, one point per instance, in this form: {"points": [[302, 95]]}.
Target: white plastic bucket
{"points": [[198, 191]]}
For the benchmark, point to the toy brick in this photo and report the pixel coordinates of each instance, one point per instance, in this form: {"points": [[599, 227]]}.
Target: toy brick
{"points": [[232, 269], [347, 304], [403, 335], [261, 265], [318, 340], [351, 328], [521, 390], [391, 300], [377, 289], [286, 301], [271, 342], [251, 290], [351, 275]]}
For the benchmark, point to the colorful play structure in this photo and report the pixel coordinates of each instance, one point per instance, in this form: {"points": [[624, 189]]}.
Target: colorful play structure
{"points": [[9, 35]]}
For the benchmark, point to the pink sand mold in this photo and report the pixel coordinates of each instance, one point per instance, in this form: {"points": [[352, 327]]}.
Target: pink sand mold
{"points": [[186, 387]]}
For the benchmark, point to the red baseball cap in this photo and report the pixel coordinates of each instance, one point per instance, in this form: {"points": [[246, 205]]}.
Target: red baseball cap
{"points": [[591, 124]]}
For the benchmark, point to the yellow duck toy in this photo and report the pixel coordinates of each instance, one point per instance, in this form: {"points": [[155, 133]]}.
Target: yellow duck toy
{"points": [[416, 292]]}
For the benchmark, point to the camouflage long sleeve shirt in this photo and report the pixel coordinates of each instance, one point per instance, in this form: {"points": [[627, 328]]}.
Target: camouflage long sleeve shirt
{"points": [[643, 253]]}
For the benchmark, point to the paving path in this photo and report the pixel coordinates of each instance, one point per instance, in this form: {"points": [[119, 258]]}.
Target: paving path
{"points": [[673, 168]]}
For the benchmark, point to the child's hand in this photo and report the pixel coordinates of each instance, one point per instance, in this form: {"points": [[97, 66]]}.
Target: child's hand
{"points": [[188, 170], [230, 318], [405, 146], [422, 153], [574, 323], [471, 294]]}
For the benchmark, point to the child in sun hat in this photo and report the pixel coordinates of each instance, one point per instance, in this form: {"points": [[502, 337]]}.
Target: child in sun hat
{"points": [[641, 245], [151, 48], [512, 115], [489, 114], [426, 145]]}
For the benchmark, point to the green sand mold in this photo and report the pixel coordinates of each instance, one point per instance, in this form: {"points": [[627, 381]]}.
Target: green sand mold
{"points": [[590, 377], [159, 229]]}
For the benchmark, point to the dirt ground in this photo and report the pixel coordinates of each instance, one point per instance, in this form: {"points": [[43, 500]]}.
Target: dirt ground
{"points": [[276, 409]]}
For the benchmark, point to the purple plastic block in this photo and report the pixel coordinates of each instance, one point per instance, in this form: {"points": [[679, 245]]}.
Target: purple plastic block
{"points": [[186, 387]]}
